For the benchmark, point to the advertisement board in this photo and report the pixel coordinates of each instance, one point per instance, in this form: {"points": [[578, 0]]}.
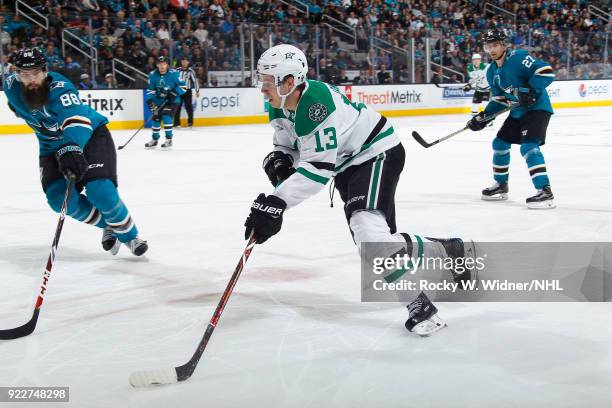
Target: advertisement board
{"points": [[126, 109]]}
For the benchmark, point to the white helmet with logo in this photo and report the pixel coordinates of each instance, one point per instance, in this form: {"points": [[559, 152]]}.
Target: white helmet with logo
{"points": [[476, 56], [282, 60]]}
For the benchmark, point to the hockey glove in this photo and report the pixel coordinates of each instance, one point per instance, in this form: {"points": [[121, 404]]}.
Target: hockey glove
{"points": [[478, 122], [467, 87], [155, 110], [528, 96], [71, 161], [278, 166], [266, 217]]}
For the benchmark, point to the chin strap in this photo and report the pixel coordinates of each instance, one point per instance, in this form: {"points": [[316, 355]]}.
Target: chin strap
{"points": [[502, 56], [284, 98]]}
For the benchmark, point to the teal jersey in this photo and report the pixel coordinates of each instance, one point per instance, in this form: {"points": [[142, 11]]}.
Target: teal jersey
{"points": [[519, 70], [159, 84], [64, 119]]}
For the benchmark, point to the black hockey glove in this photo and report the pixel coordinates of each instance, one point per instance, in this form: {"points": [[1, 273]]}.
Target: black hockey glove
{"points": [[71, 161], [266, 217], [527, 96], [467, 88], [478, 122], [155, 110], [278, 166]]}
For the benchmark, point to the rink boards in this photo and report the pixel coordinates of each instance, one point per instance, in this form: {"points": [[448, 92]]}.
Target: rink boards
{"points": [[126, 109]]}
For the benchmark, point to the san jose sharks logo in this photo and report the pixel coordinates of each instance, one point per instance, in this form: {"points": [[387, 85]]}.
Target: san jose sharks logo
{"points": [[42, 120], [56, 84]]}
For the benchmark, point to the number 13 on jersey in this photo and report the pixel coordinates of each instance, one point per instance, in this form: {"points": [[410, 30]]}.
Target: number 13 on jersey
{"points": [[329, 138]]}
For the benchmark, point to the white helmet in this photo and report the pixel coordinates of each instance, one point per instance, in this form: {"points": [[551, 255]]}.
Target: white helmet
{"points": [[282, 60], [476, 56]]}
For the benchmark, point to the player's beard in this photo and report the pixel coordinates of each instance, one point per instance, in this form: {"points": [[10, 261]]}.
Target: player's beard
{"points": [[36, 96]]}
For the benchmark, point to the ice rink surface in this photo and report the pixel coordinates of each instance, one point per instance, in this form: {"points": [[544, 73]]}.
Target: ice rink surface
{"points": [[295, 333]]}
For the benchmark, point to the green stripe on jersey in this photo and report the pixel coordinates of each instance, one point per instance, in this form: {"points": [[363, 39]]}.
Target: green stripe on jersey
{"points": [[380, 136], [312, 176], [375, 181]]}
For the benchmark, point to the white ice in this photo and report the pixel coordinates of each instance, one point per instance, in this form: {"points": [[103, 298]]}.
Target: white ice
{"points": [[295, 333]]}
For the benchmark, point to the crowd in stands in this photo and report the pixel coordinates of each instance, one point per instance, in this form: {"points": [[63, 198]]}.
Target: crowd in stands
{"points": [[372, 40]]}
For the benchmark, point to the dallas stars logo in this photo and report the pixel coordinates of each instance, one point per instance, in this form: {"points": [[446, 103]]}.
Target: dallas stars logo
{"points": [[317, 112], [289, 55]]}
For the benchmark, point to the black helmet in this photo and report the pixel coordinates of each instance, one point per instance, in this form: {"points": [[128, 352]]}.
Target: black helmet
{"points": [[494, 34], [29, 58], [162, 58]]}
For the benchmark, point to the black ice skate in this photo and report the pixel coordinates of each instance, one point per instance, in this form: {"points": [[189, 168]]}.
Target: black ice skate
{"points": [[167, 145], [543, 200], [110, 242], [423, 319], [497, 192], [456, 248], [151, 144], [137, 246]]}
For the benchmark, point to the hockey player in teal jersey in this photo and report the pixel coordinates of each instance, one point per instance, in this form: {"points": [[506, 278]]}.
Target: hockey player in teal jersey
{"points": [[74, 142], [163, 92], [517, 78]]}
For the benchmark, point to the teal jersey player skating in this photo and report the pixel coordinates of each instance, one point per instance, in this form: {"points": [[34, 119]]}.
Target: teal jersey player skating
{"points": [[64, 122], [519, 70], [521, 75], [64, 119], [164, 90], [162, 87]]}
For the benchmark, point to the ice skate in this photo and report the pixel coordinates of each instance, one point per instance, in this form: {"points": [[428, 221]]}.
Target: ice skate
{"points": [[151, 144], [423, 319], [167, 145], [497, 192], [110, 242], [137, 246], [543, 200]]}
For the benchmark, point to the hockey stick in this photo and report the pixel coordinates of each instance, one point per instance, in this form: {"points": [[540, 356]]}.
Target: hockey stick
{"points": [[423, 143], [182, 373], [29, 327], [162, 106]]}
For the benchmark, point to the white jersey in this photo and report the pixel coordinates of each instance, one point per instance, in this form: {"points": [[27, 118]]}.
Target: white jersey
{"points": [[326, 134], [478, 76]]}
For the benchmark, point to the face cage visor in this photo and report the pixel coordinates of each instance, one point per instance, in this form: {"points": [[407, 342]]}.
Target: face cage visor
{"points": [[30, 75]]}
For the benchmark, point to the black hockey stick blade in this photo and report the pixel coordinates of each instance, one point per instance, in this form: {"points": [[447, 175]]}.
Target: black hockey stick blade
{"points": [[422, 141], [21, 331]]}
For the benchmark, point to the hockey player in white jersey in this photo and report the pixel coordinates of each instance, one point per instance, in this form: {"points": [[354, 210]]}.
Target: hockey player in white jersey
{"points": [[477, 77], [319, 135]]}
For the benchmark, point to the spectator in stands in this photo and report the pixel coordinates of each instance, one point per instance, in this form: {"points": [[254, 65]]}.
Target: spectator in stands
{"points": [[72, 64], [86, 82], [383, 75], [54, 60], [109, 82], [315, 12], [342, 78], [201, 33], [6, 67]]}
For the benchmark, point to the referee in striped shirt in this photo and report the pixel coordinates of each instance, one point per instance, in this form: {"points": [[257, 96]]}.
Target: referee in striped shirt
{"points": [[188, 76]]}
